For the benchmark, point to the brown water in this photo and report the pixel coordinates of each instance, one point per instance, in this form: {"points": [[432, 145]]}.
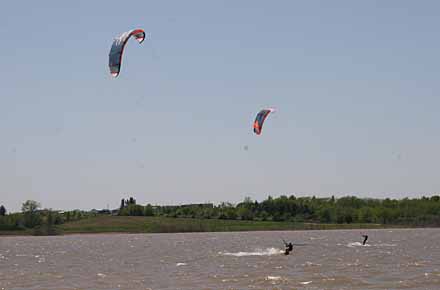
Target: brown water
{"points": [[393, 259]]}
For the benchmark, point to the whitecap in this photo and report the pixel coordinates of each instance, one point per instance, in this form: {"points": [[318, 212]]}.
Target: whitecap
{"points": [[306, 282], [385, 245], [273, 278], [257, 252], [181, 264], [311, 264], [357, 244]]}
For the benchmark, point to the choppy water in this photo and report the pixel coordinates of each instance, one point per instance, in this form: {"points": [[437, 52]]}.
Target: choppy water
{"points": [[392, 259]]}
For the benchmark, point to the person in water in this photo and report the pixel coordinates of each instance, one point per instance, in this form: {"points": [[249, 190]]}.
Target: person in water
{"points": [[365, 239], [289, 248]]}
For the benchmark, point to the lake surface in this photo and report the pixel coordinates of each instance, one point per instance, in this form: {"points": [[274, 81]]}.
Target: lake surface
{"points": [[392, 259]]}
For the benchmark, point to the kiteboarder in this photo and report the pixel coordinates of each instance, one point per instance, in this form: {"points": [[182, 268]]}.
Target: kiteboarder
{"points": [[365, 239], [289, 248]]}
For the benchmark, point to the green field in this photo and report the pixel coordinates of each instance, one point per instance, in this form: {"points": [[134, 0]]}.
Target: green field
{"points": [[131, 224], [16, 233]]}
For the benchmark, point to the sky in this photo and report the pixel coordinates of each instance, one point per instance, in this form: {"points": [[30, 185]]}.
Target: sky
{"points": [[355, 85]]}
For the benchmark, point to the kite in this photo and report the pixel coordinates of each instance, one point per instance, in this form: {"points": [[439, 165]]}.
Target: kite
{"points": [[259, 120], [115, 55]]}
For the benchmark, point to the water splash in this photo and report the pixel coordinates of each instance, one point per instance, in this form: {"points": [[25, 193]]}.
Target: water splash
{"points": [[273, 278], [385, 245], [257, 252], [357, 244]]}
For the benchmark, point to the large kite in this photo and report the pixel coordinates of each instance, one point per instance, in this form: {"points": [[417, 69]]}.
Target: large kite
{"points": [[259, 120], [115, 55]]}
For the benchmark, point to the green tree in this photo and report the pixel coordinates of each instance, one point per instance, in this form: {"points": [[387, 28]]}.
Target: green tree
{"points": [[325, 215], [2, 211], [245, 214], [31, 216], [133, 210], [263, 215], [231, 213], [121, 207], [30, 206], [48, 226], [67, 216], [366, 215], [50, 219], [148, 210], [384, 215]]}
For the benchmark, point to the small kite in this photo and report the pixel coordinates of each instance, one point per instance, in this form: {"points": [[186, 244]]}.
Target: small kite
{"points": [[259, 120], [115, 55]]}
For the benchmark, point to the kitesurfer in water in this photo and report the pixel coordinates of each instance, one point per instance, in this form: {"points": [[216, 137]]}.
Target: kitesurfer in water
{"points": [[365, 239], [289, 248]]}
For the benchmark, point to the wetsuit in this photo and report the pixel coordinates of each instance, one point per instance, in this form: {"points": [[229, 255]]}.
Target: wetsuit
{"points": [[365, 239], [289, 248]]}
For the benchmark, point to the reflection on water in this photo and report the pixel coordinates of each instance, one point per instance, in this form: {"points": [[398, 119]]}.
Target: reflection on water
{"points": [[391, 259]]}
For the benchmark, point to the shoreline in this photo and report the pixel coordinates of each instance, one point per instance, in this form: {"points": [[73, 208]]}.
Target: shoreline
{"points": [[12, 235], [163, 225]]}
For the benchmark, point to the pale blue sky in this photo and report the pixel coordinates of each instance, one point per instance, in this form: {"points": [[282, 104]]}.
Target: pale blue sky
{"points": [[355, 84]]}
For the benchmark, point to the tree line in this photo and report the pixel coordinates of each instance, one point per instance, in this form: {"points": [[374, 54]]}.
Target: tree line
{"points": [[424, 211], [40, 221]]}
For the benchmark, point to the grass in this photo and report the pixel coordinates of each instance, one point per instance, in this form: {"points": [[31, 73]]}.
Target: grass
{"points": [[131, 224], [15, 232]]}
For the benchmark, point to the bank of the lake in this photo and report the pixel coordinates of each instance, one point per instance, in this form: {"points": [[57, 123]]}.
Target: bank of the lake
{"points": [[131, 224], [135, 224]]}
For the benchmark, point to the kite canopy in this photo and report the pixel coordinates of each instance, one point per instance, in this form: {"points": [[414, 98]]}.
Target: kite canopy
{"points": [[259, 120], [115, 55]]}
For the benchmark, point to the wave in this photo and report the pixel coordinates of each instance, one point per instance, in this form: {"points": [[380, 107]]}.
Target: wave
{"points": [[273, 278], [257, 252], [305, 282], [357, 244], [385, 245]]}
